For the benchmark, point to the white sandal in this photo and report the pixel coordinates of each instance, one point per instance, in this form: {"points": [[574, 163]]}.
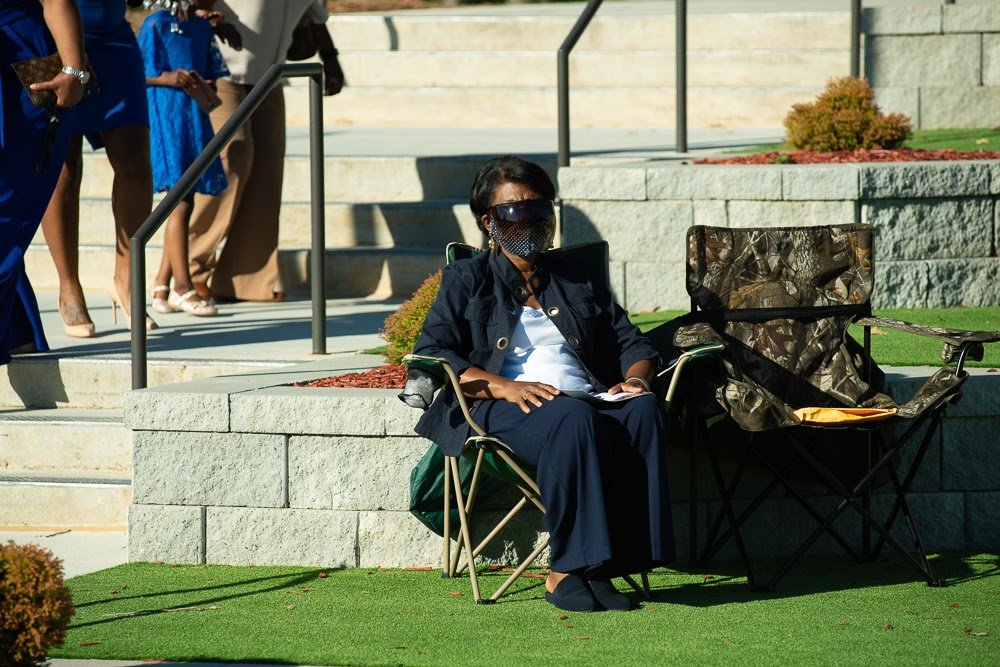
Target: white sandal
{"points": [[160, 304], [191, 303]]}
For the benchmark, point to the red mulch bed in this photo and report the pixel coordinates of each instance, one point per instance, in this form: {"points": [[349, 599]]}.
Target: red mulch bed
{"points": [[859, 155], [390, 376]]}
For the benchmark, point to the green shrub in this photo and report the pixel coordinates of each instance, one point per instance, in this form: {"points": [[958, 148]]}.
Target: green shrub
{"points": [[35, 604], [845, 117], [402, 328]]}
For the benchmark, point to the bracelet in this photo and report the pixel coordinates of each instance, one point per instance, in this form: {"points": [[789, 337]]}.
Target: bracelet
{"points": [[642, 381]]}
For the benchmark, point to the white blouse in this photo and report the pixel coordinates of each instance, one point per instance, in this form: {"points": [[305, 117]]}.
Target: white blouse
{"points": [[539, 353]]}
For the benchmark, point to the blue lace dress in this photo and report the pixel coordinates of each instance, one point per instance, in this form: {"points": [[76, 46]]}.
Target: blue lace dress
{"points": [[178, 128]]}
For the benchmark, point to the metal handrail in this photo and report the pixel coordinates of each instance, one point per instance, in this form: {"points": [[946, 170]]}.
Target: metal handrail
{"points": [[562, 77], [137, 244]]}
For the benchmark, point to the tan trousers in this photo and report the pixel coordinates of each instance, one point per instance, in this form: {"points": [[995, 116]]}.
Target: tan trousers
{"points": [[245, 214]]}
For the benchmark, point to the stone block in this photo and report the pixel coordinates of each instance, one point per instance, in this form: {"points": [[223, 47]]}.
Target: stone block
{"points": [[396, 539], [317, 538], [399, 417], [617, 277], [174, 409], [980, 393], [655, 285], [320, 411], [710, 212], [900, 21], [602, 183], [995, 181], [350, 472], [928, 477], [982, 520], [820, 182], [939, 518], [971, 460], [937, 283], [931, 228], [975, 18], [166, 533], [744, 213], [924, 179], [904, 100], [929, 60], [635, 231], [991, 60], [238, 469], [959, 106], [714, 182]]}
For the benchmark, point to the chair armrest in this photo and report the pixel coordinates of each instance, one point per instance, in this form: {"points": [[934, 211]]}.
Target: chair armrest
{"points": [[696, 335], [956, 341], [415, 395], [677, 365]]}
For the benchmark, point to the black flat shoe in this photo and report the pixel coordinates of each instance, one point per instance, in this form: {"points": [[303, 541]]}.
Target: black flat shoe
{"points": [[608, 596], [572, 594]]}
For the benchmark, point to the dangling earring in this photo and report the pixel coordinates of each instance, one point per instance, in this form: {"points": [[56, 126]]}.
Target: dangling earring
{"points": [[493, 245]]}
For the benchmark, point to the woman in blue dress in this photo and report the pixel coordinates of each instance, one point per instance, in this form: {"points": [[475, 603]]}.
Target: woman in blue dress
{"points": [[27, 173], [115, 119], [180, 51]]}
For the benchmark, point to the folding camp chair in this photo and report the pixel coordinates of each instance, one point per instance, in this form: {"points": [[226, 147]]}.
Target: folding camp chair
{"points": [[779, 301], [489, 456]]}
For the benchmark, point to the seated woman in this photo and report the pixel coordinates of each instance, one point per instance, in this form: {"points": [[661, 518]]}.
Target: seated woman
{"points": [[521, 326]]}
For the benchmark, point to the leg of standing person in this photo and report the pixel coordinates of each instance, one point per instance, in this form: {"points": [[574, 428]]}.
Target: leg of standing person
{"points": [[248, 265], [131, 193], [61, 228], [183, 296], [212, 216]]}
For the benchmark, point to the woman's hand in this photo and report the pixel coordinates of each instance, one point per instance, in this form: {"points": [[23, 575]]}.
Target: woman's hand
{"points": [[630, 386], [523, 393], [182, 78], [67, 88]]}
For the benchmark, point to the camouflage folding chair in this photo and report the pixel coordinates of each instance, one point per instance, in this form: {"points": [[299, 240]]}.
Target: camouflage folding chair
{"points": [[486, 458], [780, 301]]}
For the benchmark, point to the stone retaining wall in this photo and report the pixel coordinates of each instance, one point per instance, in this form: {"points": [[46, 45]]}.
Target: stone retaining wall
{"points": [[242, 472], [936, 223], [939, 65]]}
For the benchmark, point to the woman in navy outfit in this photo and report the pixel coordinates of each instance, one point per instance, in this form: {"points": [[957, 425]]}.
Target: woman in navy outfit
{"points": [[116, 118], [29, 160], [520, 327]]}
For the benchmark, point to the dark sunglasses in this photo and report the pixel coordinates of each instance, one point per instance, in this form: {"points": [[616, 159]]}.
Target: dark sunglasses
{"points": [[528, 211]]}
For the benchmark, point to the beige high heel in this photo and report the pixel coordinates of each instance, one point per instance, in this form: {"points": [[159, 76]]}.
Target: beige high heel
{"points": [[87, 330], [116, 302]]}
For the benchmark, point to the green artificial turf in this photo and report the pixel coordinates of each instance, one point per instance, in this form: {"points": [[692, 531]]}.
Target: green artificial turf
{"points": [[974, 139], [896, 348], [826, 611]]}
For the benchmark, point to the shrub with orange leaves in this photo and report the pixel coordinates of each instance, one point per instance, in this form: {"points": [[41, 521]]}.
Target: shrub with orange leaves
{"points": [[845, 117], [402, 328], [35, 605]]}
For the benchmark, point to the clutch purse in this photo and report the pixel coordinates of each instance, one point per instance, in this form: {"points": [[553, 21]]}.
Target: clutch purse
{"points": [[39, 70], [203, 94]]}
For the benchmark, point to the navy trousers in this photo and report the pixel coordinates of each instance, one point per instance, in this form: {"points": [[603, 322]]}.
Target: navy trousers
{"points": [[602, 472]]}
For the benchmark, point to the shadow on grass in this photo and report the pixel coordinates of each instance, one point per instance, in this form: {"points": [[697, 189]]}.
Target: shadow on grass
{"points": [[278, 582]]}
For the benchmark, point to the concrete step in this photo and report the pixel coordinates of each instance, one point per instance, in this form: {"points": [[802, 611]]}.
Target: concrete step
{"points": [[512, 107], [607, 32], [372, 272], [348, 178], [99, 382], [610, 69], [432, 223], [64, 501], [64, 442]]}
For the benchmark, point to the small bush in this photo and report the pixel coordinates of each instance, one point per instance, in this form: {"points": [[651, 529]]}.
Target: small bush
{"points": [[402, 328], [845, 117], [35, 605]]}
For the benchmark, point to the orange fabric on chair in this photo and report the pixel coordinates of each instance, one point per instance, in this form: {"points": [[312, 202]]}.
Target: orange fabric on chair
{"points": [[843, 415]]}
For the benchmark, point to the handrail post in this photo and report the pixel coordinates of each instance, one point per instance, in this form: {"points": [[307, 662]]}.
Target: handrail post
{"points": [[187, 182], [680, 58], [562, 76], [317, 264], [855, 38]]}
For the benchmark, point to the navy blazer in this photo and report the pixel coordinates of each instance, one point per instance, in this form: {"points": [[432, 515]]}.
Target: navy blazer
{"points": [[478, 306]]}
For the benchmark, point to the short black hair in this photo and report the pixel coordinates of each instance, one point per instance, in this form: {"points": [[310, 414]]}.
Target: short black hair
{"points": [[506, 169]]}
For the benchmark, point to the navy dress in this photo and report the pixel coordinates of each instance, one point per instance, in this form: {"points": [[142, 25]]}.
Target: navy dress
{"points": [[24, 193], [178, 128]]}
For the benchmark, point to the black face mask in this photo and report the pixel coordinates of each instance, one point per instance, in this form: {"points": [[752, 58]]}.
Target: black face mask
{"points": [[524, 228]]}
